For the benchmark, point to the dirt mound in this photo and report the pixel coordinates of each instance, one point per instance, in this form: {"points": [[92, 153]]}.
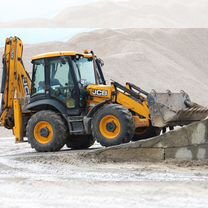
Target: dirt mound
{"points": [[158, 59], [126, 14]]}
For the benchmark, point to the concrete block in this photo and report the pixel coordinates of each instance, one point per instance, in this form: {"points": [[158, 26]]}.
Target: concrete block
{"points": [[128, 154], [193, 152], [187, 143], [196, 133]]}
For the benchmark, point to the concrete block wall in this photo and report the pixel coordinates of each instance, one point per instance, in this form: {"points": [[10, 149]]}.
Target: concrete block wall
{"points": [[187, 143]]}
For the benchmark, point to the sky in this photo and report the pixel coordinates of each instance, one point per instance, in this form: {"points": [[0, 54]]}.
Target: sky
{"points": [[24, 9]]}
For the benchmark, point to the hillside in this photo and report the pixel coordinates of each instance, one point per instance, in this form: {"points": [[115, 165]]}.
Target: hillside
{"points": [[126, 14], [158, 59]]}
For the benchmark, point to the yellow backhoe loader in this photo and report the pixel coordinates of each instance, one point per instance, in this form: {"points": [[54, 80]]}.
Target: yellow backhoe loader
{"points": [[67, 101]]}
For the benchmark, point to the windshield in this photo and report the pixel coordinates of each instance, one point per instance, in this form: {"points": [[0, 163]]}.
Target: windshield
{"points": [[84, 69]]}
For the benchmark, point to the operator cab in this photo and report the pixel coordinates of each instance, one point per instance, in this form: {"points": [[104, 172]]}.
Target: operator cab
{"points": [[64, 76]]}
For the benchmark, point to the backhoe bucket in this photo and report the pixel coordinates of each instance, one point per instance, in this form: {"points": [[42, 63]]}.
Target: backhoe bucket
{"points": [[174, 109]]}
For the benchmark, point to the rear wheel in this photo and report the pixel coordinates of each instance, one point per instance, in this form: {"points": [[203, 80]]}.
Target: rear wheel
{"points": [[46, 131], [80, 141], [112, 125], [146, 132]]}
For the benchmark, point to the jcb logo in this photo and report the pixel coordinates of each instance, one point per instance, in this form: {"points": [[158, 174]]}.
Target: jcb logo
{"points": [[100, 92]]}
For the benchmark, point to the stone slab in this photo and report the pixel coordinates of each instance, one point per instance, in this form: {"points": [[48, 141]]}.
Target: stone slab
{"points": [[193, 152], [187, 143], [196, 133], [128, 155]]}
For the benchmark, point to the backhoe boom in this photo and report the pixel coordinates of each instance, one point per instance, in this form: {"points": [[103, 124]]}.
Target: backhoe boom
{"points": [[15, 86]]}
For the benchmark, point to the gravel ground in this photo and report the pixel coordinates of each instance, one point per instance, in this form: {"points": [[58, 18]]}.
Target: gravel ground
{"points": [[30, 179], [5, 132]]}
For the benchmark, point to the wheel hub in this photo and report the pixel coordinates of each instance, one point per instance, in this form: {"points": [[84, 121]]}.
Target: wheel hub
{"points": [[44, 132], [111, 127]]}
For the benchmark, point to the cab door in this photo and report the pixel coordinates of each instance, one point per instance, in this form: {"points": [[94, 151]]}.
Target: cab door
{"points": [[62, 84]]}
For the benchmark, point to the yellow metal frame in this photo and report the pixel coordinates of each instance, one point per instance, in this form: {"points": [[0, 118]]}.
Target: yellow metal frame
{"points": [[133, 105], [17, 86], [61, 53], [18, 128], [141, 110]]}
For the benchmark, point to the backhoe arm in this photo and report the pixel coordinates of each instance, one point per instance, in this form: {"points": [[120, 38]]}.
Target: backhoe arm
{"points": [[15, 86]]}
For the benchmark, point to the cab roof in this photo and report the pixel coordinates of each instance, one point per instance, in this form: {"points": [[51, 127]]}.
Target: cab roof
{"points": [[60, 53]]}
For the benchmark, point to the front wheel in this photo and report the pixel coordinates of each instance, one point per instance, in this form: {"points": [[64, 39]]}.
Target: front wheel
{"points": [[112, 125], [46, 131]]}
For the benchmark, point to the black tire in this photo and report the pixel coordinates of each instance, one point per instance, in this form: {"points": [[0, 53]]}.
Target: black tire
{"points": [[145, 133], [58, 128], [1, 104], [126, 122], [80, 141]]}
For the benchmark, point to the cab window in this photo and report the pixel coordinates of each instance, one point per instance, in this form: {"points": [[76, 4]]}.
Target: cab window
{"points": [[61, 81], [38, 86]]}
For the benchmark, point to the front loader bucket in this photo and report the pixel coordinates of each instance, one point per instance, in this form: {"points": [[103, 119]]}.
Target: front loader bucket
{"points": [[174, 109]]}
